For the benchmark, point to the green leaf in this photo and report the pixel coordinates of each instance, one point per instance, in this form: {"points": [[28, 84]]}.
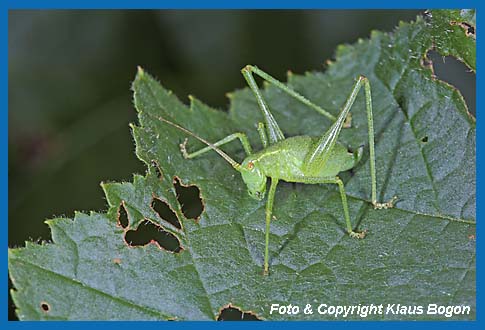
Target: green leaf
{"points": [[420, 252], [454, 34]]}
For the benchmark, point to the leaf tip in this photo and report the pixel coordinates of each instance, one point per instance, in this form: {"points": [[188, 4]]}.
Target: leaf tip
{"points": [[374, 33], [140, 71], [102, 184]]}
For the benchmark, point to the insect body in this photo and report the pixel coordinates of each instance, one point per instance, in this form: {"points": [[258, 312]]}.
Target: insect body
{"points": [[303, 159], [285, 160]]}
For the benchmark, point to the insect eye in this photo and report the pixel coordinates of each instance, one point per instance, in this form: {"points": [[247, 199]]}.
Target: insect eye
{"points": [[250, 165]]}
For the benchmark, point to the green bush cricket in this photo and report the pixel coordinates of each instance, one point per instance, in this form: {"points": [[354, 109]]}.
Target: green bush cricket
{"points": [[302, 159]]}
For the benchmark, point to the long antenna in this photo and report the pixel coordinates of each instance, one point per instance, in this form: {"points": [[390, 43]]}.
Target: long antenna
{"points": [[213, 147]]}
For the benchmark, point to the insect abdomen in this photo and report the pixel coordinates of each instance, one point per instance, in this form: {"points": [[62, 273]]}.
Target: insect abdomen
{"points": [[284, 160]]}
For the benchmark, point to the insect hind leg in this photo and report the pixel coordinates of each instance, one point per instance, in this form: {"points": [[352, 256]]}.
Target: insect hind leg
{"points": [[372, 157], [288, 90], [274, 132]]}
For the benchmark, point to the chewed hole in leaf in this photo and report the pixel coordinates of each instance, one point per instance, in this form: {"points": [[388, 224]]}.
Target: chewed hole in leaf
{"points": [[455, 73], [45, 307], [232, 313], [156, 168], [149, 233], [189, 199], [426, 62], [165, 212], [123, 220], [424, 139], [469, 29]]}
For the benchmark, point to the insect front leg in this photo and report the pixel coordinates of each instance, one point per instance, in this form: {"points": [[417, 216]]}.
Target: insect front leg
{"points": [[241, 136], [269, 213], [210, 146]]}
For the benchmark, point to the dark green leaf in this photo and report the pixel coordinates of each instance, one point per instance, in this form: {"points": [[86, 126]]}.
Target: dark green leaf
{"points": [[454, 34]]}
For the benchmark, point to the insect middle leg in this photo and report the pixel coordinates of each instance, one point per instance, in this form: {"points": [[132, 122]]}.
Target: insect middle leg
{"points": [[345, 206], [343, 197]]}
